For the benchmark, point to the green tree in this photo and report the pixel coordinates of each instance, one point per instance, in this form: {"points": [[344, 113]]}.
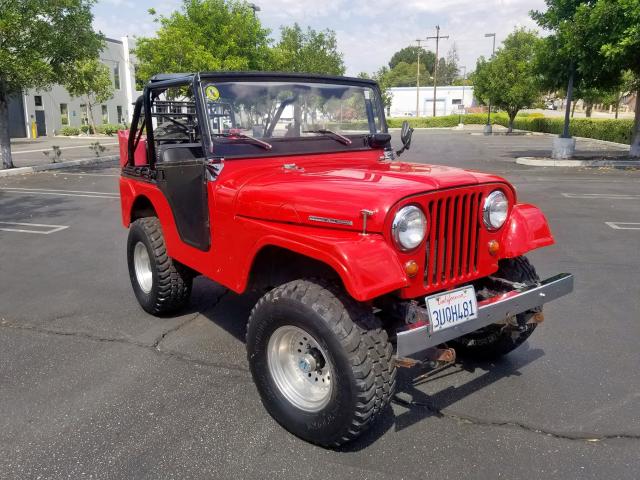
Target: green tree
{"points": [[404, 75], [573, 53], [307, 51], [410, 55], [381, 76], [204, 35], [448, 69], [40, 41], [508, 80], [90, 80], [611, 29]]}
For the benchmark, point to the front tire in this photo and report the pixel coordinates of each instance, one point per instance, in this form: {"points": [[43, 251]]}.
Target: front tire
{"points": [[321, 361], [496, 340], [161, 285]]}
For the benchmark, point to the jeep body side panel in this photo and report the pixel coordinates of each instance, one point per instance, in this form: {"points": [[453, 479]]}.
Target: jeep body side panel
{"points": [[255, 203], [237, 240]]}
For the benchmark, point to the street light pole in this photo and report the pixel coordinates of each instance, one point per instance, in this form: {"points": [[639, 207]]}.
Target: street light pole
{"points": [[488, 128], [435, 68]]}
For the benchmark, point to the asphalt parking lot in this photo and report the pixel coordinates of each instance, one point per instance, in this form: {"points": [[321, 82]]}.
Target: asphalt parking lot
{"points": [[92, 387]]}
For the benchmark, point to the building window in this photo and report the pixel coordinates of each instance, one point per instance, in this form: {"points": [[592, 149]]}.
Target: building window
{"points": [[38, 100], [119, 114], [105, 114], [64, 114], [116, 76], [84, 118], [456, 101]]}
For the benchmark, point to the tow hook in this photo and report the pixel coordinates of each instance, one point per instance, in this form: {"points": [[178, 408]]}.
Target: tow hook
{"points": [[537, 317], [433, 358], [436, 360]]}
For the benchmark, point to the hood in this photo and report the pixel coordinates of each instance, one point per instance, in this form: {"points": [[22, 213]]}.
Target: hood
{"points": [[335, 196]]}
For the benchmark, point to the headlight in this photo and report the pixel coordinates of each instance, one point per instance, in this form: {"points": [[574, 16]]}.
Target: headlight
{"points": [[409, 227], [495, 209]]}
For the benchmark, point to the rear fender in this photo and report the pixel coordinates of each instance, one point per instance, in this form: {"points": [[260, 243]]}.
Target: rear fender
{"points": [[131, 191], [527, 229]]}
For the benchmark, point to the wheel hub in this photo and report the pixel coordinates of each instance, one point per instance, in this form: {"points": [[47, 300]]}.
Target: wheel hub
{"points": [[142, 267], [307, 363], [299, 368]]}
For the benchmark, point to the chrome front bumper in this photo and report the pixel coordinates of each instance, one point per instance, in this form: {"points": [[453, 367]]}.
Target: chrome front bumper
{"points": [[412, 341]]}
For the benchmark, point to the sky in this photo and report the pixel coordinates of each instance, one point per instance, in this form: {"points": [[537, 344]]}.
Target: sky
{"points": [[368, 31]]}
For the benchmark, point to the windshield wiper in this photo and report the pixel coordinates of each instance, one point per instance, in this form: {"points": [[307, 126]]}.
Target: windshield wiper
{"points": [[245, 139], [332, 134]]}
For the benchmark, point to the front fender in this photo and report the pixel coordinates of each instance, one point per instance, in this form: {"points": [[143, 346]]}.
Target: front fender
{"points": [[527, 229], [367, 265]]}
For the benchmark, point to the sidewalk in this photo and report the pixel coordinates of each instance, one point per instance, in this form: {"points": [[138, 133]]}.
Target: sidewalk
{"points": [[29, 153]]}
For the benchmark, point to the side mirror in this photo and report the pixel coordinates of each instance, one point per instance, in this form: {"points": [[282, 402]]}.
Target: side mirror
{"points": [[405, 136]]}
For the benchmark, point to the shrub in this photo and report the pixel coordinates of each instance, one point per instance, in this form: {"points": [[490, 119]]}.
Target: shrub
{"points": [[447, 121], [86, 129], [68, 131], [619, 131], [109, 129]]}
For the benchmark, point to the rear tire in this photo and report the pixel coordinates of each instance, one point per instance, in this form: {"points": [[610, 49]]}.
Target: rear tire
{"points": [[496, 340], [161, 284], [321, 361]]}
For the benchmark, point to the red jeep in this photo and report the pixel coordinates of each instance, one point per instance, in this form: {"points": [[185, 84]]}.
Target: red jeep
{"points": [[287, 184]]}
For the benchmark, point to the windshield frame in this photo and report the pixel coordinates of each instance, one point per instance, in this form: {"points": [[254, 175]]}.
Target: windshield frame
{"points": [[313, 144]]}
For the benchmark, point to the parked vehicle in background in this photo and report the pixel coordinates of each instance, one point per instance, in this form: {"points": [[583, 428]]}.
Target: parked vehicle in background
{"points": [[287, 184]]}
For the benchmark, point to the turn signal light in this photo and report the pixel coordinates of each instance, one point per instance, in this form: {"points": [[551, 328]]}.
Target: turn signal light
{"points": [[494, 247], [411, 267]]}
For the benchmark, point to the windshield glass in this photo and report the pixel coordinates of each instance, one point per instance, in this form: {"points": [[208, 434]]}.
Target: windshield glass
{"points": [[290, 110]]}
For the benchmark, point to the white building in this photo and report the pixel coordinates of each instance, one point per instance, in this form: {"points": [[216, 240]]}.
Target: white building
{"points": [[449, 100], [53, 109]]}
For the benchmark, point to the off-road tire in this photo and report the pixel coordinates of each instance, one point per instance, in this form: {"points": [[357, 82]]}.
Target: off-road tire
{"points": [[364, 370], [494, 341], [172, 281]]}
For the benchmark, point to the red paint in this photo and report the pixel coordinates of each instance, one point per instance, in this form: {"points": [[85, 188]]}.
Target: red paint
{"points": [[139, 156], [526, 229], [255, 203]]}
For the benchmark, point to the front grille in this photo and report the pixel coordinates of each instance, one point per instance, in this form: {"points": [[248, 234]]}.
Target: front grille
{"points": [[452, 245]]}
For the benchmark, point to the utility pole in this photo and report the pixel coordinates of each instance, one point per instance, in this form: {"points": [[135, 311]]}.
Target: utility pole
{"points": [[419, 40], [464, 80], [488, 128], [435, 68]]}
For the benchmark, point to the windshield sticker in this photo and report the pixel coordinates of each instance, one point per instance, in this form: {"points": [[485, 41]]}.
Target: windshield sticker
{"points": [[212, 93]]}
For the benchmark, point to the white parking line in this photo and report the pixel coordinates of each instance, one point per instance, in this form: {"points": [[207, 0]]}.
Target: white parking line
{"points": [[624, 225], [605, 196], [67, 193], [61, 148], [82, 174], [49, 228]]}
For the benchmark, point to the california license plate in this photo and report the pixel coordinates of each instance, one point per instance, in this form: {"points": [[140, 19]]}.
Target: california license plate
{"points": [[452, 308]]}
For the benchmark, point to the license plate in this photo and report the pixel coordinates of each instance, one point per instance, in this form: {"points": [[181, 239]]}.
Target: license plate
{"points": [[452, 308]]}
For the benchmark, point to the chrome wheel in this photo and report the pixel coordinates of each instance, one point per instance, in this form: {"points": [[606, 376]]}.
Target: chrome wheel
{"points": [[142, 266], [300, 368]]}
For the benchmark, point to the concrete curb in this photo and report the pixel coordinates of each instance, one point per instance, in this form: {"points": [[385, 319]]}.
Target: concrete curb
{"points": [[56, 166], [550, 162]]}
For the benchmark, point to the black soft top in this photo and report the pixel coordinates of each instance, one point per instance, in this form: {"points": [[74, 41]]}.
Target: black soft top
{"points": [[266, 76]]}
